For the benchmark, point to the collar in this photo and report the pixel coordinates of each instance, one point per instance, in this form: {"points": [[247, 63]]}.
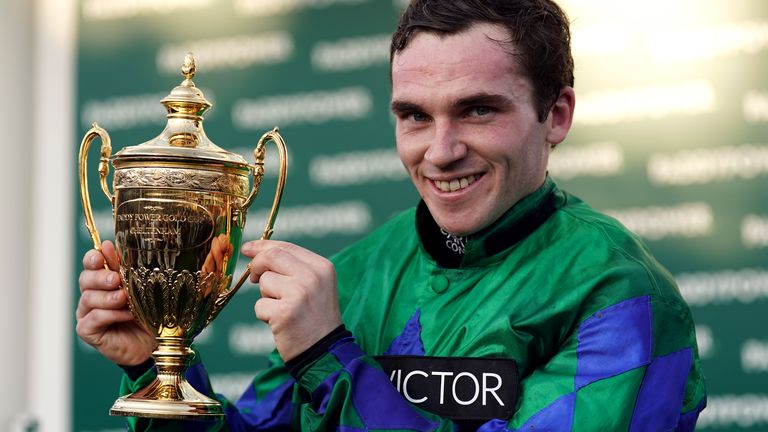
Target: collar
{"points": [[522, 219]]}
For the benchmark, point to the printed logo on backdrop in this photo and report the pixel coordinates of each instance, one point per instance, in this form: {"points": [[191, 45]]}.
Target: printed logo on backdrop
{"points": [[117, 9], [282, 7], [314, 108], [685, 220], [707, 165], [754, 231], [352, 53], [723, 287], [356, 168], [231, 52], [755, 106], [645, 103], [131, 111]]}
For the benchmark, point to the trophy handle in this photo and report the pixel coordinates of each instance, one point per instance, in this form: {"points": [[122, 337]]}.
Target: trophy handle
{"points": [[259, 154], [106, 152]]}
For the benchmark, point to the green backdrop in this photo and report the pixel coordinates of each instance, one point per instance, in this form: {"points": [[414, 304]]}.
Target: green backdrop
{"points": [[671, 137]]}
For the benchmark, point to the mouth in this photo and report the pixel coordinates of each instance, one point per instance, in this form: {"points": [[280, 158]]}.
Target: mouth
{"points": [[455, 184]]}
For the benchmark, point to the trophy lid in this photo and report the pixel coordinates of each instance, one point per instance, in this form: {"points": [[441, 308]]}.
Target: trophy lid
{"points": [[183, 137]]}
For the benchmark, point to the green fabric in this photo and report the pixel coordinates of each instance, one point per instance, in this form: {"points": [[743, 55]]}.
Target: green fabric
{"points": [[525, 302]]}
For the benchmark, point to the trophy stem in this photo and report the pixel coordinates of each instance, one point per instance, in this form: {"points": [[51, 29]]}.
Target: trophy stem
{"points": [[169, 396]]}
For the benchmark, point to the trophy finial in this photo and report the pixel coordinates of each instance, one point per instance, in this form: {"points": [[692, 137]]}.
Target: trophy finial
{"points": [[186, 98], [188, 69]]}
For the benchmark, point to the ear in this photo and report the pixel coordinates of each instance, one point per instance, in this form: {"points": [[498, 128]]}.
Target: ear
{"points": [[561, 116]]}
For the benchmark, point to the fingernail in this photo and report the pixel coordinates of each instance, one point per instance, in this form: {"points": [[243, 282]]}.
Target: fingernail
{"points": [[110, 278], [92, 259], [247, 247]]}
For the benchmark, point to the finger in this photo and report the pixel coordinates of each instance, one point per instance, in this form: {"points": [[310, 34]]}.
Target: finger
{"points": [[265, 309], [273, 285], [93, 299], [93, 260], [208, 266], [98, 280], [99, 319], [277, 259], [252, 248], [218, 250], [109, 252]]}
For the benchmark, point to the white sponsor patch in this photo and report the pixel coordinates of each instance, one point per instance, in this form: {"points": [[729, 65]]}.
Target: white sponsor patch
{"points": [[723, 287], [235, 52], [647, 102], [592, 160], [657, 222], [345, 104], [355, 168], [706, 165]]}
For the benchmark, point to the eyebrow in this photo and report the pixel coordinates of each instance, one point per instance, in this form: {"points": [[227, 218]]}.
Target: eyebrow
{"points": [[399, 106], [404, 106], [483, 99]]}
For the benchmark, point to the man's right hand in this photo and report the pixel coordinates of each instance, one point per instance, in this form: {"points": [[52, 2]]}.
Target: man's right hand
{"points": [[103, 318]]}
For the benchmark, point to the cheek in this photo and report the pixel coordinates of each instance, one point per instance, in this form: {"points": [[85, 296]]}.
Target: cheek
{"points": [[409, 154]]}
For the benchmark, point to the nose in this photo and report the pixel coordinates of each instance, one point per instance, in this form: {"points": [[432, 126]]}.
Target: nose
{"points": [[446, 147]]}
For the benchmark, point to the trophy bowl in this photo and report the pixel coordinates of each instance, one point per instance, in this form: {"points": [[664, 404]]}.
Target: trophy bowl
{"points": [[179, 207]]}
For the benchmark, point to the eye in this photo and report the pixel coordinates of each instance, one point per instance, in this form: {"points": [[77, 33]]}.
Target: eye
{"points": [[480, 111], [417, 117]]}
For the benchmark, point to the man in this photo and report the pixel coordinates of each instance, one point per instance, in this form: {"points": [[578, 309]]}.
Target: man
{"points": [[500, 303]]}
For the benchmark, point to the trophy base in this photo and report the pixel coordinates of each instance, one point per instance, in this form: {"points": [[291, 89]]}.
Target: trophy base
{"points": [[176, 399]]}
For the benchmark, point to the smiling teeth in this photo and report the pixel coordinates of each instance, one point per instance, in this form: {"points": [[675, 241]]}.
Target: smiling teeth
{"points": [[456, 184]]}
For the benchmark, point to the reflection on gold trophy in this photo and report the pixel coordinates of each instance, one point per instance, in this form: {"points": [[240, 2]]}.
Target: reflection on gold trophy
{"points": [[179, 206]]}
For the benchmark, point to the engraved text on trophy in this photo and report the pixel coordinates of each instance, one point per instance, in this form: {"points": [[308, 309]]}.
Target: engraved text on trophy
{"points": [[160, 232]]}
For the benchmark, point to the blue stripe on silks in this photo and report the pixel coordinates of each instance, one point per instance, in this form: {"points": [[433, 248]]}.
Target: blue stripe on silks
{"points": [[346, 350], [323, 393], [661, 393], [556, 417], [349, 429], [409, 341], [378, 404], [688, 420], [614, 340], [494, 425], [272, 412], [197, 377]]}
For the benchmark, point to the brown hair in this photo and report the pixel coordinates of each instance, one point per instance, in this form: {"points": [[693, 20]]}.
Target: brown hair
{"points": [[539, 30]]}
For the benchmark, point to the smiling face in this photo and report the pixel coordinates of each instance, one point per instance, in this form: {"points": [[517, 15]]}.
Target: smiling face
{"points": [[467, 129]]}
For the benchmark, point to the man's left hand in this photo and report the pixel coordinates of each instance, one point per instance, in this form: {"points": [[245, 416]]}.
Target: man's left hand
{"points": [[299, 298]]}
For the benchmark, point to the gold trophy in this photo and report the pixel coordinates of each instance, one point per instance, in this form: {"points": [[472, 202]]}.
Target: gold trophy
{"points": [[179, 207]]}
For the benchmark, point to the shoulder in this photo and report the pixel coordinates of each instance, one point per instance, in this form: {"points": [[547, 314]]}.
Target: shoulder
{"points": [[612, 261], [396, 232]]}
